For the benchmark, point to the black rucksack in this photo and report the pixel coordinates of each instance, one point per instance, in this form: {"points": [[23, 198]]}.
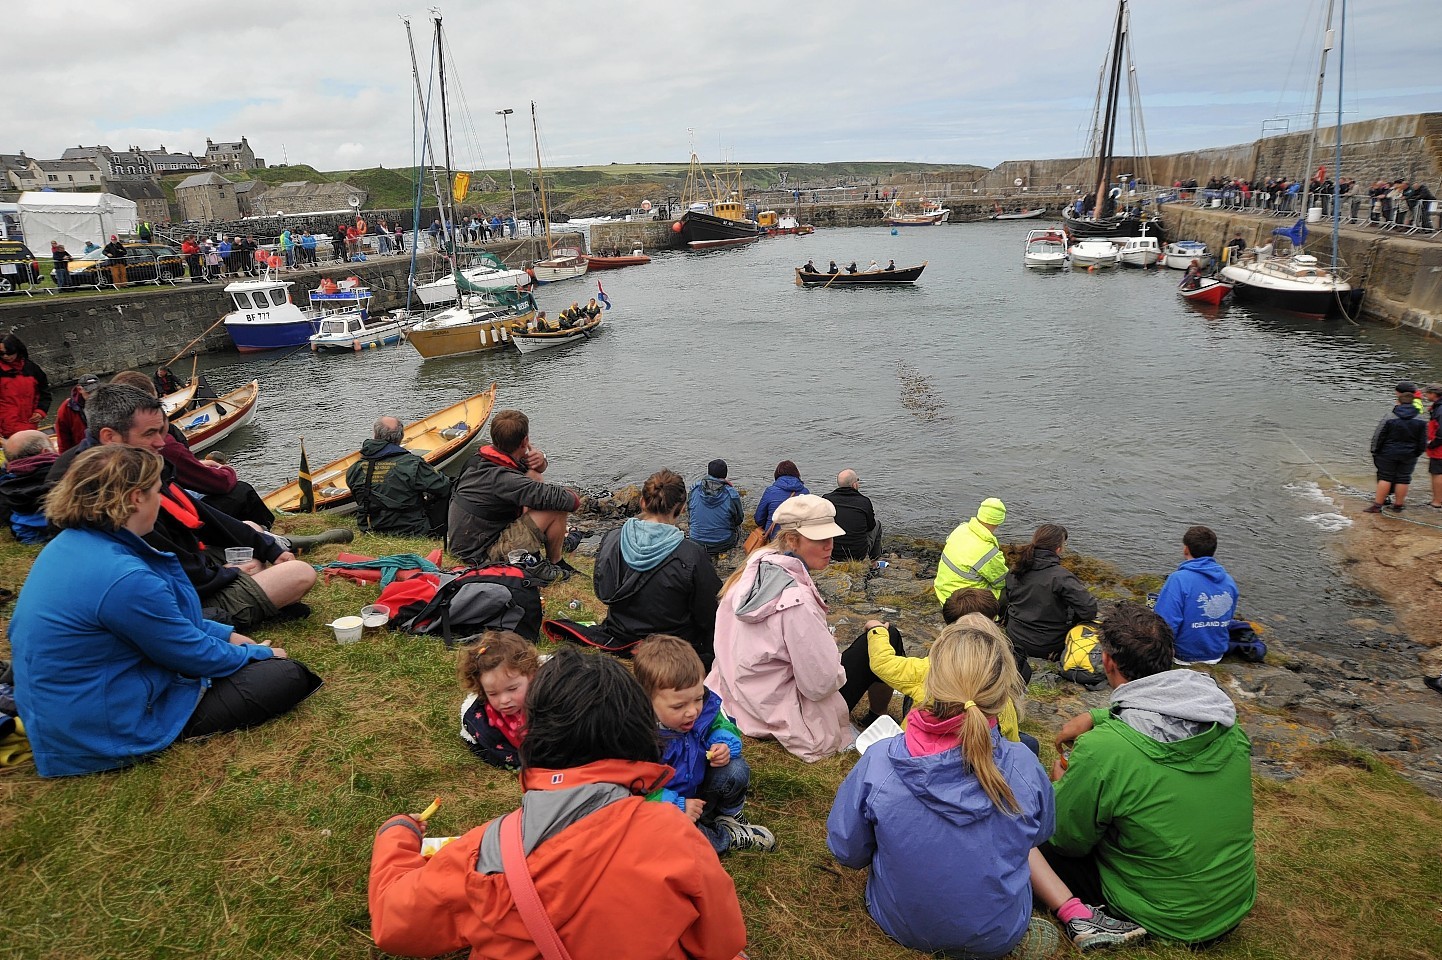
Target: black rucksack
{"points": [[475, 600]]}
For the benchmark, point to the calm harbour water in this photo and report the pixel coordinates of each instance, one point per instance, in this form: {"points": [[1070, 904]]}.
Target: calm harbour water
{"points": [[1099, 401]]}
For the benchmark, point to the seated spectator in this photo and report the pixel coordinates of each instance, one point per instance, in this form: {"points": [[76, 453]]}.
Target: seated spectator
{"points": [[1043, 600], [972, 556], [269, 586], [777, 668], [1154, 803], [24, 388], [70, 421], [110, 674], [501, 503], [612, 868], [211, 480], [496, 670], [653, 579], [700, 743], [915, 806], [715, 509], [787, 484], [23, 485], [1198, 600], [395, 491], [855, 515]]}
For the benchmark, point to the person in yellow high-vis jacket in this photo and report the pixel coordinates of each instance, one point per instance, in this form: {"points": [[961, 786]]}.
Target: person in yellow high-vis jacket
{"points": [[972, 557]]}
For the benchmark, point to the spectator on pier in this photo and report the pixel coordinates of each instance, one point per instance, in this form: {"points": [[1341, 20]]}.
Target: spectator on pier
{"points": [[61, 259], [1433, 393], [502, 503], [1154, 793], [70, 421], [28, 458], [396, 492], [115, 260], [1400, 438], [24, 388]]}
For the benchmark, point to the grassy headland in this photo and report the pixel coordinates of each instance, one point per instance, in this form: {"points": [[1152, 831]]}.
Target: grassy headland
{"points": [[257, 844]]}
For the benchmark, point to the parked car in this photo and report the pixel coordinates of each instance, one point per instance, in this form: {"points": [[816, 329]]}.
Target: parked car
{"points": [[18, 266], [143, 262]]}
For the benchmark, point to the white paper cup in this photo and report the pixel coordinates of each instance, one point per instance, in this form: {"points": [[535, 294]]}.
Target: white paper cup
{"points": [[348, 629]]}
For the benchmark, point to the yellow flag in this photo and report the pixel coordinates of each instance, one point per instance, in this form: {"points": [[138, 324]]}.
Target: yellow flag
{"points": [[461, 186]]}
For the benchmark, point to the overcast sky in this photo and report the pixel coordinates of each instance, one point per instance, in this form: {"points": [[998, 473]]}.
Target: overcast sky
{"points": [[962, 81]]}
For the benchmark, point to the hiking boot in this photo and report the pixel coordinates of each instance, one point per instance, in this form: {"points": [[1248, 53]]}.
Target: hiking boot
{"points": [[569, 570], [1374, 508], [747, 836], [1101, 930], [544, 571], [572, 540], [299, 545]]}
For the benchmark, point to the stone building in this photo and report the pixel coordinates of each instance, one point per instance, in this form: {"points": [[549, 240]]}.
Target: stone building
{"points": [[207, 197], [133, 162], [303, 197], [231, 156], [60, 175], [149, 198]]}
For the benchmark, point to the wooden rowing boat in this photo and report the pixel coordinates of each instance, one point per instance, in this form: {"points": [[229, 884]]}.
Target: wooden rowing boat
{"points": [[175, 403], [730, 242], [617, 262], [530, 342], [899, 275], [439, 440], [212, 422]]}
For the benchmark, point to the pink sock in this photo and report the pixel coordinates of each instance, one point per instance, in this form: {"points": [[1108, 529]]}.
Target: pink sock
{"points": [[1073, 909]]}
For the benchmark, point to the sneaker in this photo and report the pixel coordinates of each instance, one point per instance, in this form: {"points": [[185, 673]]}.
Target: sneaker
{"points": [[1398, 507], [1374, 508], [546, 572], [1100, 930], [747, 836]]}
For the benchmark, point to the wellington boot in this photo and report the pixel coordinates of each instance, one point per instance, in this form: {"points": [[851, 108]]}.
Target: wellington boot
{"points": [[299, 544]]}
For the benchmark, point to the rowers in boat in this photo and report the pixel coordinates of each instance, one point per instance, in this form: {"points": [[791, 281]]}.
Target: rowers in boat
{"points": [[809, 275]]}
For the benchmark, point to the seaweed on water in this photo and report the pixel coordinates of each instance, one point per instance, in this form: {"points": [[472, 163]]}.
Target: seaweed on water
{"points": [[918, 396]]}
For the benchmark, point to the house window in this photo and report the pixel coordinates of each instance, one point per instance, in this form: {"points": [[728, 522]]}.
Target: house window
{"points": [[52, 178]]}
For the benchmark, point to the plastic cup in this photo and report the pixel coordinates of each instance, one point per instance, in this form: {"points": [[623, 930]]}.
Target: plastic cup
{"points": [[374, 617], [237, 556], [347, 629], [517, 558]]}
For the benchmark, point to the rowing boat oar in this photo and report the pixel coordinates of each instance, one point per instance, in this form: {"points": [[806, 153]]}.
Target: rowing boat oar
{"points": [[194, 342]]}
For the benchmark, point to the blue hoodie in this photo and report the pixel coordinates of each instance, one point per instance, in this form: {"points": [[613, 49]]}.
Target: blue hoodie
{"points": [[782, 490], [715, 509], [1198, 601], [948, 868], [645, 544]]}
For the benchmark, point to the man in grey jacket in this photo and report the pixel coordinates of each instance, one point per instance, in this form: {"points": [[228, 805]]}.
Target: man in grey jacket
{"points": [[502, 504]]}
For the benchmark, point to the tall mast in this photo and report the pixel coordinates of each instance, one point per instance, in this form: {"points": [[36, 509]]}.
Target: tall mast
{"points": [[425, 126], [1317, 111], [446, 201], [1337, 171], [541, 180], [1109, 120]]}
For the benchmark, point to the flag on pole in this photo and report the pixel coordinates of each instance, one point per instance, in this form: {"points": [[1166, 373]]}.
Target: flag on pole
{"points": [[602, 295], [307, 492]]}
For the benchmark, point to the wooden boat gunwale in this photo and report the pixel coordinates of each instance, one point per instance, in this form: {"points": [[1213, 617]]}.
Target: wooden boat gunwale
{"points": [[239, 408]]}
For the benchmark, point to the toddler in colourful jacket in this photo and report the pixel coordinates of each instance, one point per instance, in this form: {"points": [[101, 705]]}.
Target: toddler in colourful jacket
{"points": [[700, 743]]}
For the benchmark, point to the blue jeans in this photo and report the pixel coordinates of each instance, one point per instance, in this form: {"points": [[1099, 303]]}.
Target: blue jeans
{"points": [[724, 790]]}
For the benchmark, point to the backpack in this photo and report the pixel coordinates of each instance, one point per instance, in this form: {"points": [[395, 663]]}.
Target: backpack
{"points": [[467, 602], [1081, 657]]}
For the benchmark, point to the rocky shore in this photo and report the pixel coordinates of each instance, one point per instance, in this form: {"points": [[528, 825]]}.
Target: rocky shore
{"points": [[1370, 697]]}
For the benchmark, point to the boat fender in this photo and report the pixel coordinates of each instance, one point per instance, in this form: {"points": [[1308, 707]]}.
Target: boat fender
{"points": [[894, 231], [676, 227]]}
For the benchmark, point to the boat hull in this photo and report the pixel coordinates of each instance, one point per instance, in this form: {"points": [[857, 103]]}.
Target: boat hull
{"points": [[1127, 225], [212, 422], [1312, 303], [700, 227], [435, 439], [799, 231], [438, 339], [901, 275], [253, 336], [1211, 292], [1086, 254], [442, 290], [1019, 215], [536, 342], [616, 263], [919, 220], [1179, 255], [714, 244], [558, 268]]}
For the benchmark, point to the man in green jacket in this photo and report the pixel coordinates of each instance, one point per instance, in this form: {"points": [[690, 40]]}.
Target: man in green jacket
{"points": [[972, 557], [396, 491], [1154, 793]]}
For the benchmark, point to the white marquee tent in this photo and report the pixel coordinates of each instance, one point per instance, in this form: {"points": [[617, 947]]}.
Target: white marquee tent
{"points": [[73, 218]]}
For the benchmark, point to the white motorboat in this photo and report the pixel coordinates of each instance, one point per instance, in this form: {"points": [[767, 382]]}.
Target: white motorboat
{"points": [[1143, 251], [1180, 254], [265, 318], [359, 331], [1045, 250], [1299, 283], [563, 264], [443, 288], [1094, 253]]}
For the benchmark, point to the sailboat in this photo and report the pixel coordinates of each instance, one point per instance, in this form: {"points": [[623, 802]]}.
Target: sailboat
{"points": [[1112, 209], [1300, 282], [485, 306], [560, 264]]}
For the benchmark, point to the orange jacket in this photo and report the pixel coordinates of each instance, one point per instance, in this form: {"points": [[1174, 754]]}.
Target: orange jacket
{"points": [[632, 879]]}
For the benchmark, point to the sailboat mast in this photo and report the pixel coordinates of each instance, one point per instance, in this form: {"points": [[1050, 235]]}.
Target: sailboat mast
{"points": [[1109, 118], [541, 180], [1337, 168], [425, 127], [446, 201], [1317, 110]]}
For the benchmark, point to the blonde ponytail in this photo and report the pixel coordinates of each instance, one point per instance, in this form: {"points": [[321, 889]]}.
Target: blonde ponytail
{"points": [[973, 673]]}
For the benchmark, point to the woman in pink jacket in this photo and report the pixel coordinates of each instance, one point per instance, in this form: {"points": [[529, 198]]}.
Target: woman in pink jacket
{"points": [[778, 670]]}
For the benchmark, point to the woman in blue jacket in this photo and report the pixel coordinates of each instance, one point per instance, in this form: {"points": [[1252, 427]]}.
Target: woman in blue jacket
{"points": [[787, 485], [113, 661], [915, 807]]}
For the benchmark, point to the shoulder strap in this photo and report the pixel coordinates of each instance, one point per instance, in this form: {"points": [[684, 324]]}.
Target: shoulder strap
{"points": [[523, 891], [363, 502]]}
